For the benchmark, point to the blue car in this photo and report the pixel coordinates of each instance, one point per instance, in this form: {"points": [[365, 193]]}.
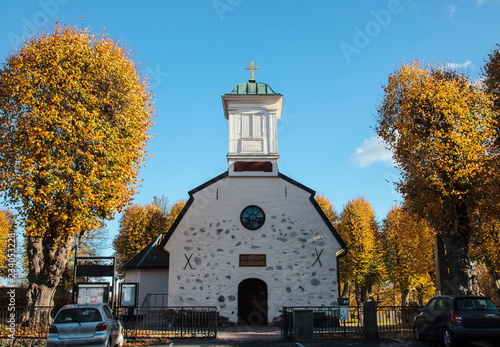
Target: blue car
{"points": [[454, 319], [89, 325]]}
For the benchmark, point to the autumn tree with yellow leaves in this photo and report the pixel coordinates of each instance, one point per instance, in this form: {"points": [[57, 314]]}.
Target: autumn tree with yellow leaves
{"points": [[491, 72], [327, 208], [362, 267], [74, 116], [441, 130], [408, 253], [490, 237]]}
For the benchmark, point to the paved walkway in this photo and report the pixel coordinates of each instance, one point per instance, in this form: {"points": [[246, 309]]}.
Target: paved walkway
{"points": [[245, 332], [270, 336]]}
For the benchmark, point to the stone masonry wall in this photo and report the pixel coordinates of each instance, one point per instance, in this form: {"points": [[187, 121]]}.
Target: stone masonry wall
{"points": [[205, 247]]}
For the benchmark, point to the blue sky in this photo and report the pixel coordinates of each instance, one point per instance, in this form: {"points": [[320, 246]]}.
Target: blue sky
{"points": [[328, 58]]}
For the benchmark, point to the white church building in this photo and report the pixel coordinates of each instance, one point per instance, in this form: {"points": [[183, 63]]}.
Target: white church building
{"points": [[250, 240]]}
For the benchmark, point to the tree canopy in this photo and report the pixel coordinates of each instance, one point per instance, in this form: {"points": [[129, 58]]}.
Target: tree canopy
{"points": [[441, 129], [408, 251], [362, 266], [327, 208], [74, 117], [491, 72]]}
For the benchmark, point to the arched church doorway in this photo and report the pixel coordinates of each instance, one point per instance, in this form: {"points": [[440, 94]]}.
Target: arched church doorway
{"points": [[252, 302]]}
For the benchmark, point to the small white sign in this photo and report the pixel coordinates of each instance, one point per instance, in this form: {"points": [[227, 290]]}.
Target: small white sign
{"points": [[343, 313]]}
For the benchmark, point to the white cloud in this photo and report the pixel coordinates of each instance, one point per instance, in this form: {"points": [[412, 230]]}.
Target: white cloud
{"points": [[452, 9], [480, 2], [456, 66], [371, 151]]}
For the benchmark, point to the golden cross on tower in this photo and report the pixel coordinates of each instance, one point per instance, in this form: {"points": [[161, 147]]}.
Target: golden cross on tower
{"points": [[251, 68]]}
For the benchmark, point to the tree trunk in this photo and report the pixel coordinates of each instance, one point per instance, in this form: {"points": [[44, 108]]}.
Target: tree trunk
{"points": [[495, 278], [405, 297], [47, 259], [460, 277], [456, 273], [365, 293], [497, 291], [421, 295], [357, 293]]}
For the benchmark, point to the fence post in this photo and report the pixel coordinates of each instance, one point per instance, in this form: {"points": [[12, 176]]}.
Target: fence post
{"points": [[370, 320], [303, 325]]}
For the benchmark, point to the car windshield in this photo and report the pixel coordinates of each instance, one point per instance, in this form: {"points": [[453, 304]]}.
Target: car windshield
{"points": [[78, 315], [475, 304]]}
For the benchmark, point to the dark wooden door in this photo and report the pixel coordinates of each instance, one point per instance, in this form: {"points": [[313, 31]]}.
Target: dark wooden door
{"points": [[252, 302]]}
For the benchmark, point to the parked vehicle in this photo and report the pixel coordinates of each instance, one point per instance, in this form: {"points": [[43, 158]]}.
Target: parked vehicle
{"points": [[89, 325], [458, 318]]}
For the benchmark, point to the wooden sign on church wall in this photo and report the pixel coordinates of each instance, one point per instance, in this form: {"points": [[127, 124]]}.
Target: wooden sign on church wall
{"points": [[252, 260]]}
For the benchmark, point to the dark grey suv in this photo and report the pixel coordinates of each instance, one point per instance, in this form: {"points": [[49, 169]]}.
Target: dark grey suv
{"points": [[458, 318]]}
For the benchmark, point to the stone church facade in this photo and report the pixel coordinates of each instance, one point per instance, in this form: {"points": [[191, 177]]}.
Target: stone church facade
{"points": [[251, 240]]}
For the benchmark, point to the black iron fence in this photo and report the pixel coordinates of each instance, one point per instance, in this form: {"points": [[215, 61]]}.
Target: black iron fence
{"points": [[329, 322], [141, 323], [21, 322], [202, 321], [396, 321], [169, 322]]}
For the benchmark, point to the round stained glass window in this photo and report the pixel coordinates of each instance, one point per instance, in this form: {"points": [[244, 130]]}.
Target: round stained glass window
{"points": [[252, 217]]}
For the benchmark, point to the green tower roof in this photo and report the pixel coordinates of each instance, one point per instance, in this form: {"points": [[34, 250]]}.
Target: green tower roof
{"points": [[252, 88]]}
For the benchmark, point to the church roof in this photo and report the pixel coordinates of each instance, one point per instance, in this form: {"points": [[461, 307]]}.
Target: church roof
{"points": [[252, 88], [153, 256]]}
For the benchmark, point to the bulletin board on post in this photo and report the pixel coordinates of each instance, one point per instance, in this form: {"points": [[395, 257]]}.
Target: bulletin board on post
{"points": [[92, 293], [92, 267], [128, 294]]}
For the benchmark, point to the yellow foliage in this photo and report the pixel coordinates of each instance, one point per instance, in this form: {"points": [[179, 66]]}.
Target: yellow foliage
{"points": [[326, 207], [363, 265], [441, 129], [74, 116], [486, 245], [443, 132], [408, 244]]}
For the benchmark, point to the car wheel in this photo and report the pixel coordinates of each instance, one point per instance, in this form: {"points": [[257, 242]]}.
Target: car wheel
{"points": [[417, 333], [448, 339]]}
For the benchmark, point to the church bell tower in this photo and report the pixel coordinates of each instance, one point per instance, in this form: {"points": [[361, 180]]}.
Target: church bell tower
{"points": [[252, 110]]}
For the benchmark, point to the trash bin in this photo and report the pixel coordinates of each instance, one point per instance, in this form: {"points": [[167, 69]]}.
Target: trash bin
{"points": [[303, 325]]}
